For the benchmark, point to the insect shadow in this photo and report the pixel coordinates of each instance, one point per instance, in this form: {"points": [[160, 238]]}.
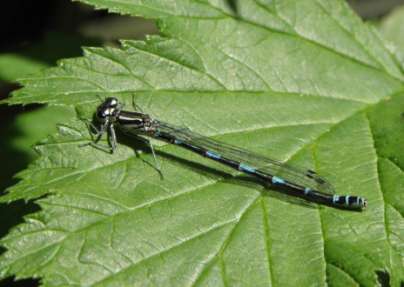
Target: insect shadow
{"points": [[219, 175], [267, 190]]}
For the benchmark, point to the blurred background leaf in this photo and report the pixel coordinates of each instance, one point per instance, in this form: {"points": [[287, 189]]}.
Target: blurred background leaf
{"points": [[392, 29]]}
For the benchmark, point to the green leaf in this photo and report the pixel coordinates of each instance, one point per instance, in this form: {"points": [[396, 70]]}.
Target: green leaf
{"points": [[23, 133], [392, 29], [20, 133], [22, 128], [48, 117], [302, 81]]}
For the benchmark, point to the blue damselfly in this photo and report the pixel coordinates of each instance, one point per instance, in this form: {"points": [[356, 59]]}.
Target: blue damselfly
{"points": [[302, 183]]}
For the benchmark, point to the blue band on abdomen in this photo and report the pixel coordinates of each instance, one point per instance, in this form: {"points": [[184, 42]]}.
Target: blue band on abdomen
{"points": [[212, 155], [244, 167], [278, 180]]}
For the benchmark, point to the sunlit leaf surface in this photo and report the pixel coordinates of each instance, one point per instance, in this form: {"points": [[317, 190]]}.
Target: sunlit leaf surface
{"points": [[301, 81]]}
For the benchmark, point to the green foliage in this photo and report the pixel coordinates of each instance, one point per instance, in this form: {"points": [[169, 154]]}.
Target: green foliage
{"points": [[303, 81], [26, 126], [32, 59], [392, 28]]}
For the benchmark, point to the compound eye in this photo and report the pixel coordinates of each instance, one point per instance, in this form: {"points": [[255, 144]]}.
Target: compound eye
{"points": [[114, 102], [111, 102], [102, 114]]}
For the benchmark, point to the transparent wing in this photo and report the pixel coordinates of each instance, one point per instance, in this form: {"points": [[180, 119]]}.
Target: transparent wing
{"points": [[302, 177]]}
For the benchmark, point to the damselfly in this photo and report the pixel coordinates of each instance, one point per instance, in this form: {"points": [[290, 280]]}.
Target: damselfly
{"points": [[302, 183]]}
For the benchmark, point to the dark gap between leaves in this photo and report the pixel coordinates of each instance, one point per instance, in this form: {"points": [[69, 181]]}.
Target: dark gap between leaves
{"points": [[11, 282], [383, 277]]}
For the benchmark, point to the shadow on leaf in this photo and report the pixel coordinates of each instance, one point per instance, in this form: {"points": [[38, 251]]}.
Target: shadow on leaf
{"points": [[233, 5], [219, 175]]}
